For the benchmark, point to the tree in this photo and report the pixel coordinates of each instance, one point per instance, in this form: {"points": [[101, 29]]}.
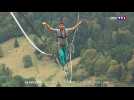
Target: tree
{"points": [[88, 60], [44, 85], [58, 84], [96, 28], [89, 56], [122, 36], [90, 43], [7, 80], [19, 80], [130, 69], [27, 60], [95, 62], [80, 74], [116, 71], [122, 53], [130, 65], [5, 74], [1, 52], [16, 43], [101, 65], [16, 81]]}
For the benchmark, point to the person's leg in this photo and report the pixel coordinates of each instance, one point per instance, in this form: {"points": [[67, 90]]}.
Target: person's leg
{"points": [[61, 56], [62, 53], [65, 53]]}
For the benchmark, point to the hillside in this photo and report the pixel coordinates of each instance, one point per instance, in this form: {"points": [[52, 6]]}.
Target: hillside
{"points": [[104, 48], [46, 70]]}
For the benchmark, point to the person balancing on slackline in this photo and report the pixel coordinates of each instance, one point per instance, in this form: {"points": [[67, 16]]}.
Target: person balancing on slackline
{"points": [[62, 34]]}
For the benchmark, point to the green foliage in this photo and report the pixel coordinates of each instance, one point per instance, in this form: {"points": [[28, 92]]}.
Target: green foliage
{"points": [[92, 63], [116, 71], [44, 85], [130, 69], [27, 60], [122, 36], [16, 43], [101, 65], [91, 43], [80, 74], [16, 81], [5, 74], [96, 63], [1, 52], [98, 42], [88, 59], [121, 53], [58, 84], [130, 66], [6, 79]]}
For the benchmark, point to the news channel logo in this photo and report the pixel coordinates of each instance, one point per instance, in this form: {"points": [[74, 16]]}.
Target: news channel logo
{"points": [[119, 18]]}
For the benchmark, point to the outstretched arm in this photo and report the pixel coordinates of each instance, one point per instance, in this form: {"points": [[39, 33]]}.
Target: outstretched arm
{"points": [[49, 27], [74, 27]]}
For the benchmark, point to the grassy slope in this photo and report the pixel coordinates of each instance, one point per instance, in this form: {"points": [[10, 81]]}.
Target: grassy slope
{"points": [[44, 70]]}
